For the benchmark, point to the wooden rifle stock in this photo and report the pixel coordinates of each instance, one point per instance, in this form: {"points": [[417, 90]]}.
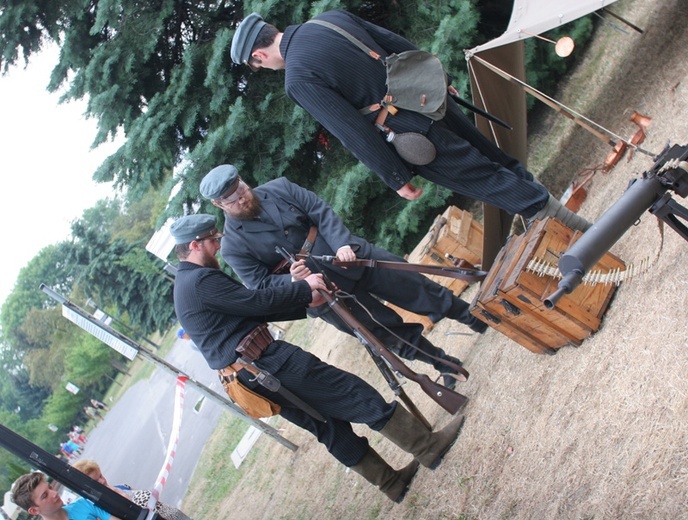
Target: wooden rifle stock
{"points": [[446, 398], [395, 385]]}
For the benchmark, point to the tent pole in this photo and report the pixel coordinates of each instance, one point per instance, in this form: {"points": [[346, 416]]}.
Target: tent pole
{"points": [[634, 27], [605, 135]]}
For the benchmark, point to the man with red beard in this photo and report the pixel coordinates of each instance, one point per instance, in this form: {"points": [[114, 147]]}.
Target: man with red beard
{"points": [[281, 213], [222, 316]]}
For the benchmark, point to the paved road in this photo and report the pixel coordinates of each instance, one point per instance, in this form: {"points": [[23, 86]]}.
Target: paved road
{"points": [[131, 441]]}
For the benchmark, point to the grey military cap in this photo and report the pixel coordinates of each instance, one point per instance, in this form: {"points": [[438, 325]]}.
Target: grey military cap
{"points": [[245, 37], [194, 227], [220, 180]]}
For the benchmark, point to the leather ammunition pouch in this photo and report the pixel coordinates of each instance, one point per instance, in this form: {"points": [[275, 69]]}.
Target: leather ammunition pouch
{"points": [[255, 342]]}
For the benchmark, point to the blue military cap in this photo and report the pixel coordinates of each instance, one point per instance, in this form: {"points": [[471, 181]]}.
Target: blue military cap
{"points": [[194, 227], [245, 37], [220, 180]]}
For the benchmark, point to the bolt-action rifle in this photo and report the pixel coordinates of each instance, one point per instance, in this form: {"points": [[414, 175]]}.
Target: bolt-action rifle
{"points": [[451, 401], [460, 273]]}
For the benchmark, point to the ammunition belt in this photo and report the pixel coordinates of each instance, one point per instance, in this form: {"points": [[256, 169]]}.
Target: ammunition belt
{"points": [[255, 342]]}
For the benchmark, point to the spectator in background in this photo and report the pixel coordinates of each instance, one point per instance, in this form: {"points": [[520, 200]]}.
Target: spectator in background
{"points": [[32, 493], [99, 405], [78, 433], [140, 497], [70, 449], [92, 412], [77, 438]]}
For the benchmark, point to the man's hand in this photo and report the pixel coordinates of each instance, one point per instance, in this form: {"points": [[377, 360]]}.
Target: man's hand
{"points": [[409, 191], [346, 254], [316, 282], [318, 299], [299, 271]]}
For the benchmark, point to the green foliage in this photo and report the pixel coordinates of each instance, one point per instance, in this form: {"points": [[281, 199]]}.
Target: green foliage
{"points": [[125, 276], [160, 73], [62, 406], [11, 468], [87, 363], [41, 350], [49, 266], [46, 367]]}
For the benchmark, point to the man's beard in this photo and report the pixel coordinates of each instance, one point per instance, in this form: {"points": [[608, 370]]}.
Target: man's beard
{"points": [[251, 209], [211, 261]]}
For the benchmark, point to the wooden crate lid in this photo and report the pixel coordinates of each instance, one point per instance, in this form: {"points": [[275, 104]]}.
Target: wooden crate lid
{"points": [[455, 231]]}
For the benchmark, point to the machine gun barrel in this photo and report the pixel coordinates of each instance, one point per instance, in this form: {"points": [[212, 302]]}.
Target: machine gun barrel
{"points": [[604, 233]]}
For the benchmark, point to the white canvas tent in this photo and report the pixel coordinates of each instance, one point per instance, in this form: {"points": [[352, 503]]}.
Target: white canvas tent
{"points": [[530, 17], [506, 100]]}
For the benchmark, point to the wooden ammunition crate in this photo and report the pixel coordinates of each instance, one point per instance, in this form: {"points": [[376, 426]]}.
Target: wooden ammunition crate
{"points": [[455, 233], [511, 297]]}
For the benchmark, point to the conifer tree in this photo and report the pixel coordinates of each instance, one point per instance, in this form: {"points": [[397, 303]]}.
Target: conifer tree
{"points": [[159, 72]]}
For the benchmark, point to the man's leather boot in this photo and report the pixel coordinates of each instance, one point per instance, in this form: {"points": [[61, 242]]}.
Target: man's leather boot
{"points": [[407, 432], [459, 312], [555, 209], [393, 483]]}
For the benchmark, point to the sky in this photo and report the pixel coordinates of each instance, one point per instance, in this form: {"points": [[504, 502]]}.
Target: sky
{"points": [[46, 165]]}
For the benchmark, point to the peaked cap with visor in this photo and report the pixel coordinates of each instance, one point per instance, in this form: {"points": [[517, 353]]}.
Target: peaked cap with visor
{"points": [[194, 227], [245, 37]]}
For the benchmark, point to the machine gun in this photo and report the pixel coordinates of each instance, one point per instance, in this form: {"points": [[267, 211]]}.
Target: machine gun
{"points": [[451, 401], [649, 192]]}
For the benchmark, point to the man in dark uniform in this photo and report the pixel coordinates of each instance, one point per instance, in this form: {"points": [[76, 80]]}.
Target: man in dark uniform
{"points": [[220, 314], [333, 79], [280, 213]]}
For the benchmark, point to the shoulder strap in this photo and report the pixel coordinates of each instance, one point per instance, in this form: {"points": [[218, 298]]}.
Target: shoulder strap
{"points": [[358, 43], [370, 52]]}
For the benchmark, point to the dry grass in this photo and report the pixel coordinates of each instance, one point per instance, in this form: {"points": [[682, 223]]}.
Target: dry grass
{"points": [[597, 431]]}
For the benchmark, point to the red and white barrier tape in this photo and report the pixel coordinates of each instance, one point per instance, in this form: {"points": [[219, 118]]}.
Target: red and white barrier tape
{"points": [[172, 445]]}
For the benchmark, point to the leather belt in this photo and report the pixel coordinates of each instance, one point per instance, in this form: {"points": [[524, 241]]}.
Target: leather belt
{"points": [[283, 266], [255, 342]]}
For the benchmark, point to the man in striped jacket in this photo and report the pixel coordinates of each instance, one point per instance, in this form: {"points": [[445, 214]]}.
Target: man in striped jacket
{"points": [[220, 315], [331, 78]]}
